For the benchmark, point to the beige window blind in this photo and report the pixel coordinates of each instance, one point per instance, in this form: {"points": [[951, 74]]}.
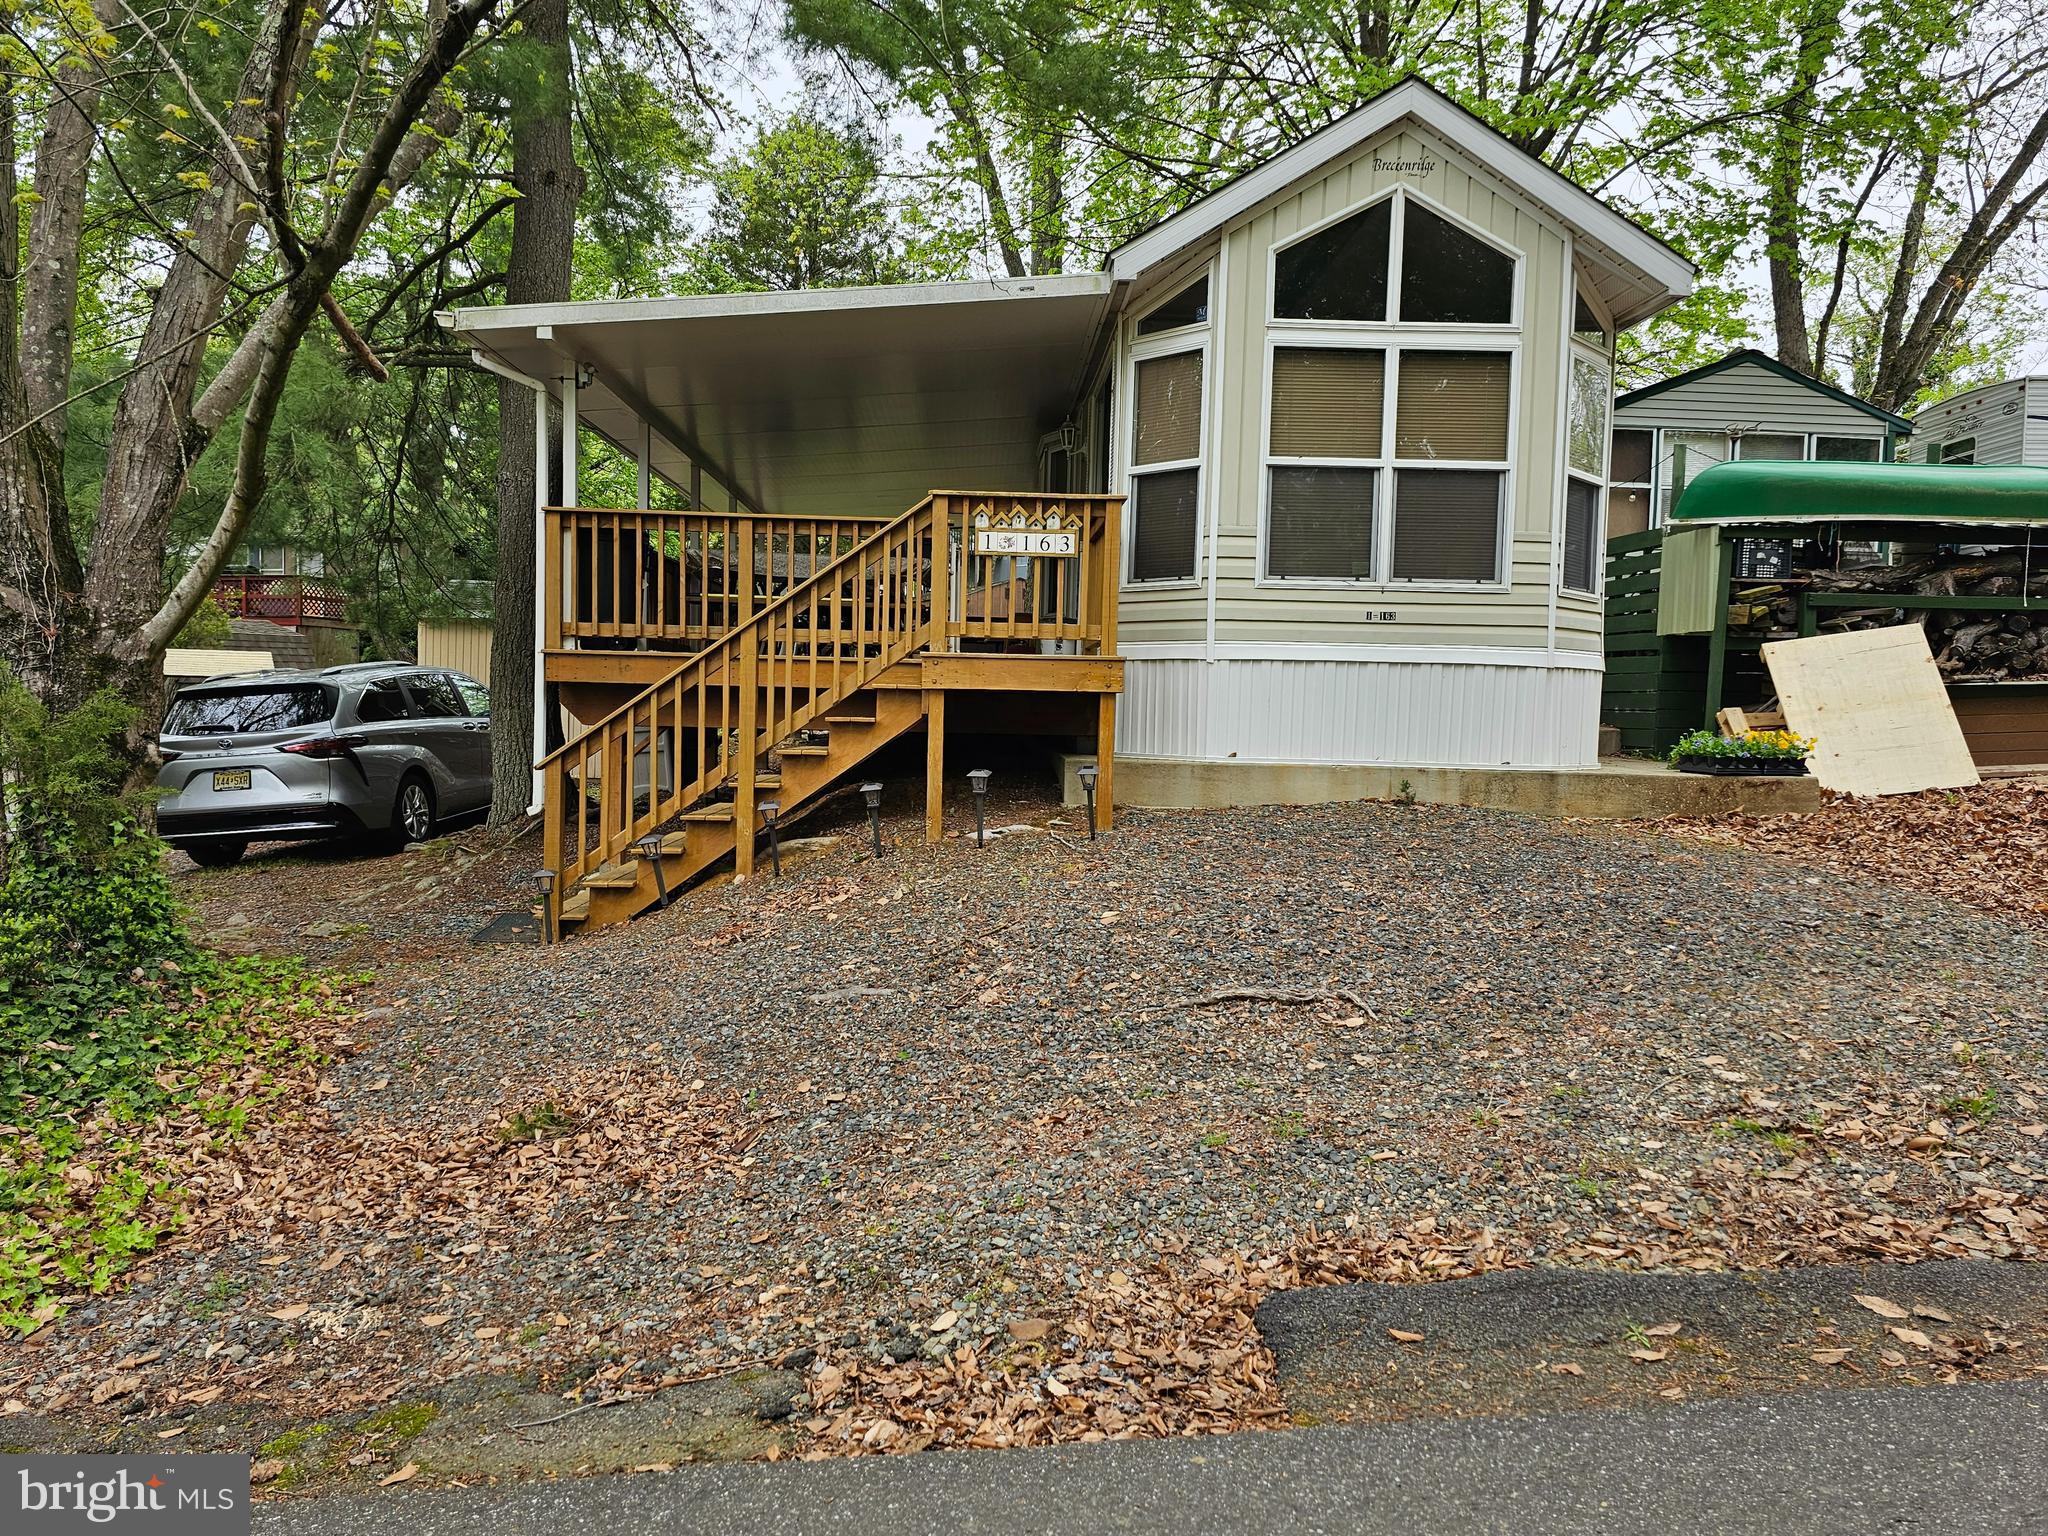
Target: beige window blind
{"points": [[1164, 509], [1319, 522], [1452, 405], [1447, 524], [1326, 402], [1169, 408]]}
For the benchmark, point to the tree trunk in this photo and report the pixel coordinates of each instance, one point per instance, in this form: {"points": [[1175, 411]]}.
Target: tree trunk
{"points": [[543, 243]]}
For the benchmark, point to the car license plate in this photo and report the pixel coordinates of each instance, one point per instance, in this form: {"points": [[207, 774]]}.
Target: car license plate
{"points": [[230, 778]]}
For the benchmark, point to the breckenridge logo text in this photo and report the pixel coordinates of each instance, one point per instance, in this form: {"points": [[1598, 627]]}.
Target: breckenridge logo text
{"points": [[1421, 167]]}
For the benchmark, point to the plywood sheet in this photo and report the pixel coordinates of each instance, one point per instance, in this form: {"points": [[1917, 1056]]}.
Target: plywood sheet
{"points": [[185, 661], [1874, 703]]}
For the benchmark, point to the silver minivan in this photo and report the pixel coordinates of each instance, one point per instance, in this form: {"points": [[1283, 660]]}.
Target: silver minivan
{"points": [[379, 751]]}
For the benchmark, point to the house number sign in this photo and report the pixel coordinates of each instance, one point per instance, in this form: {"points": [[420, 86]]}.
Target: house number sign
{"points": [[1022, 533]]}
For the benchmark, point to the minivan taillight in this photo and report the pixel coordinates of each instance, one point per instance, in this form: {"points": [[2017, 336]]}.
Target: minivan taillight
{"points": [[321, 746]]}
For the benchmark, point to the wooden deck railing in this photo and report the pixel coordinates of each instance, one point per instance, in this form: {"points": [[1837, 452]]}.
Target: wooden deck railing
{"points": [[942, 576], [293, 601], [679, 579]]}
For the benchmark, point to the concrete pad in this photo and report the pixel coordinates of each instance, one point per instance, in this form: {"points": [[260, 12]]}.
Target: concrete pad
{"points": [[1620, 787], [1544, 1340]]}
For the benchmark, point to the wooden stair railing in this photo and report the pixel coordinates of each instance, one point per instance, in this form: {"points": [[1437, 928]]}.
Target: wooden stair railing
{"points": [[710, 721]]}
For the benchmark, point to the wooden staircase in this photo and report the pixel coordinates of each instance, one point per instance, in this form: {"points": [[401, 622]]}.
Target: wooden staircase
{"points": [[839, 743], [779, 707]]}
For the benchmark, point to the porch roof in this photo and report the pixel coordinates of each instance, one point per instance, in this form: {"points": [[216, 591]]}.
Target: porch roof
{"points": [[825, 402]]}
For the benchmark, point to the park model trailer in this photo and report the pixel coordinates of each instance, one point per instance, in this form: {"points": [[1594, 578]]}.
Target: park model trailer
{"points": [[1311, 474], [2004, 423]]}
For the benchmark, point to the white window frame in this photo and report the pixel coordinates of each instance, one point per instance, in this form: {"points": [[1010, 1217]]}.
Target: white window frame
{"points": [[1412, 339], [1400, 196], [1391, 337], [1575, 350], [1182, 339]]}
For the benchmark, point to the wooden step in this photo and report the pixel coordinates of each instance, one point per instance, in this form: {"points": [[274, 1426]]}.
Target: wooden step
{"points": [[805, 750], [576, 908], [720, 811], [614, 877], [855, 719], [768, 781], [675, 844]]}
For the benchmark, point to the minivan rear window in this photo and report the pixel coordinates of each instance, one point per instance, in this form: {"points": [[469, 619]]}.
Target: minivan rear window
{"points": [[231, 711]]}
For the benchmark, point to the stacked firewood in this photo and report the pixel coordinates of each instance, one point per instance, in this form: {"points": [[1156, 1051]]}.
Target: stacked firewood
{"points": [[1966, 644], [1974, 644]]}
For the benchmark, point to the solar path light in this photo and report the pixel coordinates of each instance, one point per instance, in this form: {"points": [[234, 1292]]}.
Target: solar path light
{"points": [[650, 850], [1087, 777], [872, 793], [770, 809], [544, 882], [978, 780]]}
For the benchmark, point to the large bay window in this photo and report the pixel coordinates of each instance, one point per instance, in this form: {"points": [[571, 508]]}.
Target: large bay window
{"points": [[1162, 540], [1391, 364]]}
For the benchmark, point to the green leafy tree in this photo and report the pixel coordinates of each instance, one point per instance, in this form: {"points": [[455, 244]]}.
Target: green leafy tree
{"points": [[801, 206]]}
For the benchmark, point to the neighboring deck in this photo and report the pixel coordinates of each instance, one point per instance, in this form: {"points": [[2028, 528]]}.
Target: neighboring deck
{"points": [[728, 668]]}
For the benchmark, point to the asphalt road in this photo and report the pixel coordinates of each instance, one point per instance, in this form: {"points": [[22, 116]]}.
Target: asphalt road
{"points": [[1965, 1459]]}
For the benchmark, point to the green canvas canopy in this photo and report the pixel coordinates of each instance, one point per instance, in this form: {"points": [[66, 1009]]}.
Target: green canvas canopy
{"points": [[1779, 492]]}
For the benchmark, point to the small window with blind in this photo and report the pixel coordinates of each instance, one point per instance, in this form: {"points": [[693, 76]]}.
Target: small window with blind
{"points": [[1848, 450], [1166, 452], [1322, 467], [1581, 536]]}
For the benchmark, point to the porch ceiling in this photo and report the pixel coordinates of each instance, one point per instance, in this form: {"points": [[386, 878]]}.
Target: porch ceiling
{"points": [[825, 402]]}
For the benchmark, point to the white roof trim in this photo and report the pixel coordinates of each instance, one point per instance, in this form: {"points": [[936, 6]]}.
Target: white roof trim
{"points": [[523, 317], [1607, 231]]}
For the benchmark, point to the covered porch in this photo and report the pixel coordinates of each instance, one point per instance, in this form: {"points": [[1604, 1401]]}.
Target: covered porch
{"points": [[805, 569]]}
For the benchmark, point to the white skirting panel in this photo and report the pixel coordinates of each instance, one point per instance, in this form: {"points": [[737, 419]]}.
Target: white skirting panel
{"points": [[1462, 714]]}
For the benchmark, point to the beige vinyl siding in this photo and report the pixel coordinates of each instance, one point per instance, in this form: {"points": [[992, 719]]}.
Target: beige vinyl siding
{"points": [[1518, 616], [1747, 395], [1999, 417]]}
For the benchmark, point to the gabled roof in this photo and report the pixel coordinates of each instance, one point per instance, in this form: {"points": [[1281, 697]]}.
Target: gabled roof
{"points": [[1751, 357], [1638, 273]]}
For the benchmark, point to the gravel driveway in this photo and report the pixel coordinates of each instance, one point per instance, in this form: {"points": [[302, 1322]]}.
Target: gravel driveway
{"points": [[881, 1105]]}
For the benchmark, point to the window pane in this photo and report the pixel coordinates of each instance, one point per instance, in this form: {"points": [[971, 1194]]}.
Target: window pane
{"points": [[475, 695], [1339, 273], [1188, 307], [1169, 408], [383, 701], [1961, 450], [1848, 450], [1452, 277], [1586, 427], [1452, 405], [1628, 511], [1447, 524], [1320, 522], [1581, 533], [1163, 525], [433, 697], [1586, 325], [1631, 462], [1777, 446], [1685, 455], [1326, 402], [249, 710]]}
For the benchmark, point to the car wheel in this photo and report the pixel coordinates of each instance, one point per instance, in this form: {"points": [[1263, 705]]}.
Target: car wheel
{"points": [[216, 855], [412, 814]]}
